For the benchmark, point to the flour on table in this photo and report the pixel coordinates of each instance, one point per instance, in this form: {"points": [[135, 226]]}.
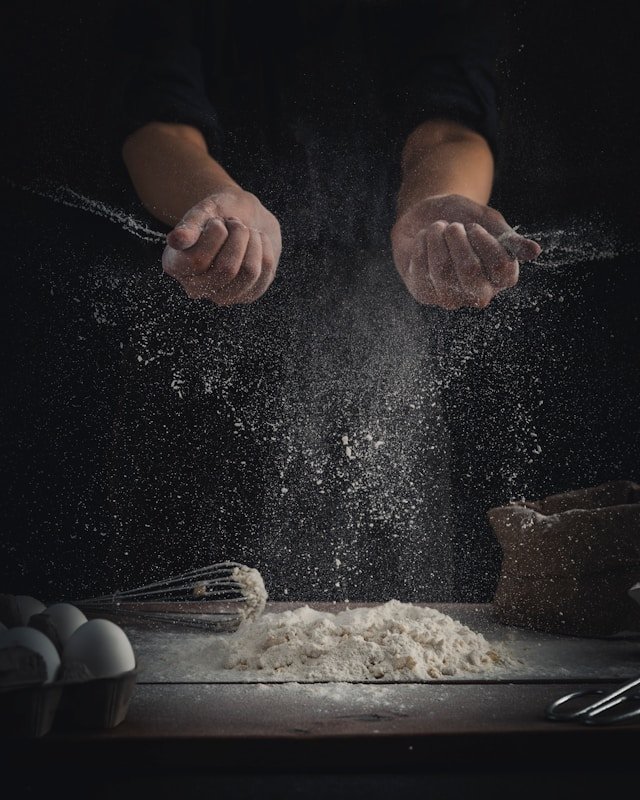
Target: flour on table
{"points": [[253, 590], [391, 641]]}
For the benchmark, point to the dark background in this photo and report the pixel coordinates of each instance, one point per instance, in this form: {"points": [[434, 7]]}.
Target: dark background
{"points": [[568, 96], [567, 152]]}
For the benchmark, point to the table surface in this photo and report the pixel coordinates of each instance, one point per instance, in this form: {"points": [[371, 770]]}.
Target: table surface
{"points": [[181, 714]]}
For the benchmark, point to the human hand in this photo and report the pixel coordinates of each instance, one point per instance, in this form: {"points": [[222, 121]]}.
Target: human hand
{"points": [[225, 249], [453, 252]]}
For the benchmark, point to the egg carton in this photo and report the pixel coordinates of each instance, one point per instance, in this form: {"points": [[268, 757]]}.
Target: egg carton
{"points": [[41, 689]]}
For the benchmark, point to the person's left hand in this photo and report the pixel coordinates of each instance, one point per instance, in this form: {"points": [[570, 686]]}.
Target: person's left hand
{"points": [[453, 252]]}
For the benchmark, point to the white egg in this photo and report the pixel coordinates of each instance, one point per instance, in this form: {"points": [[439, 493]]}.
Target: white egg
{"points": [[66, 619], [36, 641], [103, 646], [27, 607]]}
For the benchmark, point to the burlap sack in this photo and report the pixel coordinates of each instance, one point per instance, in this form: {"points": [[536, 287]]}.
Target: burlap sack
{"points": [[569, 561]]}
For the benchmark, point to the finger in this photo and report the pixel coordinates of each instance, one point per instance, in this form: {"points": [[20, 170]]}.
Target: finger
{"points": [[183, 235], [228, 261], [519, 246], [267, 274], [516, 245], [246, 278], [418, 278], [269, 257], [471, 278], [187, 232], [200, 287], [501, 268], [196, 287], [197, 259], [441, 271]]}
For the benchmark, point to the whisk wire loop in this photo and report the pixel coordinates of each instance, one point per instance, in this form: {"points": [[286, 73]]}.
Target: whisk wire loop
{"points": [[209, 597]]}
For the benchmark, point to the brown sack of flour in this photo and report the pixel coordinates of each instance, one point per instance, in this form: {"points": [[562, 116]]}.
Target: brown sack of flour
{"points": [[569, 561]]}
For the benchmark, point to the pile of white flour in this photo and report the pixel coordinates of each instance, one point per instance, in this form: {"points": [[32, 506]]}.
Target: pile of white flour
{"points": [[391, 641]]}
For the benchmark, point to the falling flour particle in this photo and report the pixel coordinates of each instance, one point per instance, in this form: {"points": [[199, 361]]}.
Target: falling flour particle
{"points": [[67, 196], [391, 641], [253, 590]]}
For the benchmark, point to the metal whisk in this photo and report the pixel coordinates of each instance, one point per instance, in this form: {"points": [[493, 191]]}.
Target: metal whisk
{"points": [[216, 597]]}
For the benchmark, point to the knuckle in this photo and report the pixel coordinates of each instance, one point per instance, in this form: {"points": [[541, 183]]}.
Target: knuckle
{"points": [[483, 300], [495, 216], [438, 226], [255, 294], [233, 223], [482, 296], [224, 271], [216, 230], [192, 294], [268, 264], [507, 274], [471, 295], [216, 221], [455, 229], [251, 271]]}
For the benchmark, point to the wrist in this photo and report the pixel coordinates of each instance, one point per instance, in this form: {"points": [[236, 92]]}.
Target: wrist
{"points": [[442, 158], [412, 194]]}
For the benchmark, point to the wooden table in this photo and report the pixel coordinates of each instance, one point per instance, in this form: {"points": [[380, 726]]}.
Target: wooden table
{"points": [[448, 736]]}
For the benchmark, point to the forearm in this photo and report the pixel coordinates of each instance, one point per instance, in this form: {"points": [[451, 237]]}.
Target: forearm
{"points": [[171, 169], [445, 158]]}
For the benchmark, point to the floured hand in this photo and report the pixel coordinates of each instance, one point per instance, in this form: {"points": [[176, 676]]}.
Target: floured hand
{"points": [[453, 252], [225, 249]]}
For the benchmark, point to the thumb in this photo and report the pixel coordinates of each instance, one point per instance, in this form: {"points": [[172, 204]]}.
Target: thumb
{"points": [[519, 246], [187, 232], [184, 235]]}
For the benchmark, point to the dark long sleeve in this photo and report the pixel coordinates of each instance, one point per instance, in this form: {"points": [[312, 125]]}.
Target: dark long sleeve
{"points": [[427, 59], [439, 60], [165, 80]]}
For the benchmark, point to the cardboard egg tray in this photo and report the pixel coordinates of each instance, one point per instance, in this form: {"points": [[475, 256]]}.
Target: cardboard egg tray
{"points": [[76, 699], [95, 703]]}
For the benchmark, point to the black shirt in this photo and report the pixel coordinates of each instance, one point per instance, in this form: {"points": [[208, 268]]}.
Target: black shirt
{"points": [[263, 75]]}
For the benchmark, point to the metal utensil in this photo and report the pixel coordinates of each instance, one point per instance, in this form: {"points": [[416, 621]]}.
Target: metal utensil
{"points": [[216, 597], [620, 705]]}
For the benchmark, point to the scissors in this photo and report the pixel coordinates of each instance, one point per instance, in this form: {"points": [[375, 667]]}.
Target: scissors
{"points": [[619, 705]]}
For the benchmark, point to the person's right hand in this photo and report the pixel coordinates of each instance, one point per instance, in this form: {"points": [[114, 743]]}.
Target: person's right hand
{"points": [[225, 249]]}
